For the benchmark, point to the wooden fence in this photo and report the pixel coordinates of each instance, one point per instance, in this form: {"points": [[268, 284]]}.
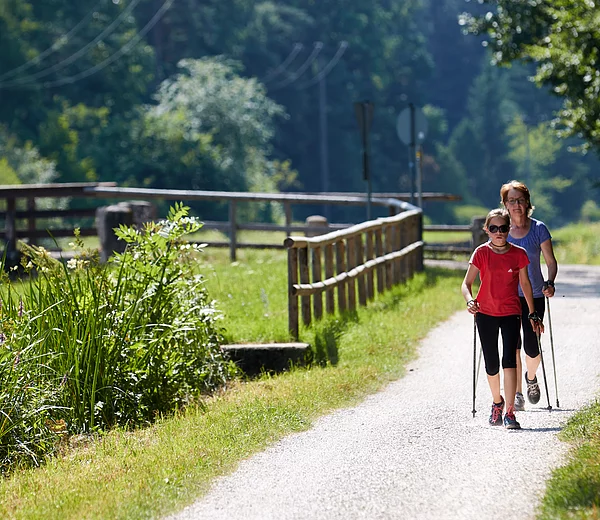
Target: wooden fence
{"points": [[23, 219], [374, 255]]}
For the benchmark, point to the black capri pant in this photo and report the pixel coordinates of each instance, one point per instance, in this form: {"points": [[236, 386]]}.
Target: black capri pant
{"points": [[529, 337], [488, 327]]}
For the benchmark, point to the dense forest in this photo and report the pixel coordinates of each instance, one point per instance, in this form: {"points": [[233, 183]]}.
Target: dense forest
{"points": [[241, 95]]}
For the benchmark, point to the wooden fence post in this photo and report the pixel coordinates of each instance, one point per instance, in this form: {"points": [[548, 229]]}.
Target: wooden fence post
{"points": [[389, 248], [317, 277], [287, 208], [31, 219], [340, 267], [478, 235], [329, 297], [361, 281], [381, 267], [292, 298], [12, 255], [419, 238], [232, 230], [351, 255], [371, 272], [304, 278]]}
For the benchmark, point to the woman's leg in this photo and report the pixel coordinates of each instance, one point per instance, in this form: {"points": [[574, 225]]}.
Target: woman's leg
{"points": [[532, 351], [530, 345], [519, 368], [510, 327], [488, 327]]}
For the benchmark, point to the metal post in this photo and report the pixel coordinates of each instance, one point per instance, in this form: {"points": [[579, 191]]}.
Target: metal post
{"points": [[324, 141], [366, 167], [420, 176], [412, 153]]}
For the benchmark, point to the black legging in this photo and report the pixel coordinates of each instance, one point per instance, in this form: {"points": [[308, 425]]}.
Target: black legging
{"points": [[529, 337], [488, 327]]}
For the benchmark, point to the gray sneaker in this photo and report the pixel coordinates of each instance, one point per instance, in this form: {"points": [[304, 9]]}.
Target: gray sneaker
{"points": [[533, 390], [519, 402]]}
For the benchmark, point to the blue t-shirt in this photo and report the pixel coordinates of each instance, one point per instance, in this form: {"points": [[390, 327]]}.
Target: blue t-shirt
{"points": [[531, 242]]}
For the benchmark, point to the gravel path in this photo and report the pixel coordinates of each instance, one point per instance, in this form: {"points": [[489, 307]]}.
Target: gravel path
{"points": [[414, 450]]}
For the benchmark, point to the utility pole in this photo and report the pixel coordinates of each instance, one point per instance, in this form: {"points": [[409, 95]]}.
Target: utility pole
{"points": [[324, 144]]}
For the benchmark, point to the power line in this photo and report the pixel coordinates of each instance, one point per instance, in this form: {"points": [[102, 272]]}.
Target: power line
{"points": [[115, 56], [284, 64], [328, 68], [67, 61], [295, 75], [60, 42]]}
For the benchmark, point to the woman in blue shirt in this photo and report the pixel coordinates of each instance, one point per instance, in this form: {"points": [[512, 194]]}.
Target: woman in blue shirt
{"points": [[534, 237]]}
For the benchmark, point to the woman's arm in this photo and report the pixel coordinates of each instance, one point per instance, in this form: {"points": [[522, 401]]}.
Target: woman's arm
{"points": [[551, 264], [467, 289], [536, 323]]}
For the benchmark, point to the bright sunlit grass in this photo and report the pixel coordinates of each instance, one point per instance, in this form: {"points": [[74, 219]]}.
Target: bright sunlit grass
{"points": [[578, 244]]}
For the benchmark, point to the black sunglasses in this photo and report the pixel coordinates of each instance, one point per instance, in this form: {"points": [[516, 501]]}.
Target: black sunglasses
{"points": [[503, 228]]}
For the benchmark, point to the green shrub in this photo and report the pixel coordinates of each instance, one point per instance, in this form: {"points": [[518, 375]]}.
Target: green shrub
{"points": [[111, 344]]}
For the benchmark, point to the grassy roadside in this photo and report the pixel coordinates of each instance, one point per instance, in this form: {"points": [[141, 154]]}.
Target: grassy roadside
{"points": [[574, 489], [149, 472]]}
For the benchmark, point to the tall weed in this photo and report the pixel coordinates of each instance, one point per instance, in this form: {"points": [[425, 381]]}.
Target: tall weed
{"points": [[109, 344]]}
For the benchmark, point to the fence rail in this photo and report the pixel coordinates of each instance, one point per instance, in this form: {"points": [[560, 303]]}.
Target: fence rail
{"points": [[351, 263], [24, 220]]}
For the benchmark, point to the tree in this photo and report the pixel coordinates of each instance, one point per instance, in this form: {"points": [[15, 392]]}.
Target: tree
{"points": [[562, 38], [480, 141], [210, 129]]}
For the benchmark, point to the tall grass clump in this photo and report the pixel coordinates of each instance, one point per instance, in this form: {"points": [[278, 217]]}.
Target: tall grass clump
{"points": [[112, 344]]}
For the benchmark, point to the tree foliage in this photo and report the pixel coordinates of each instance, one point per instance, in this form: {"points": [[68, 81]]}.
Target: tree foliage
{"points": [[99, 90], [562, 39]]}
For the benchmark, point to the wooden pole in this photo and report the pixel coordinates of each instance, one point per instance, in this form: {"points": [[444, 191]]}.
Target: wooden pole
{"points": [[292, 298]]}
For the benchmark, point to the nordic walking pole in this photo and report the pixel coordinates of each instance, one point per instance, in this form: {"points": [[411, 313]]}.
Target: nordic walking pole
{"points": [[543, 370], [474, 362], [552, 346]]}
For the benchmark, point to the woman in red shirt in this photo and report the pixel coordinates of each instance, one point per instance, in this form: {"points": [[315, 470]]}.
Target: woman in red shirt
{"points": [[501, 267]]}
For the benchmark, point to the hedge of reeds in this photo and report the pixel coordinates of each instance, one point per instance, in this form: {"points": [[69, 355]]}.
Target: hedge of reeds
{"points": [[86, 346]]}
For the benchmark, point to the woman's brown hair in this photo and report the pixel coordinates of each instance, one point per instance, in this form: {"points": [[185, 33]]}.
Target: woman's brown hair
{"points": [[519, 186]]}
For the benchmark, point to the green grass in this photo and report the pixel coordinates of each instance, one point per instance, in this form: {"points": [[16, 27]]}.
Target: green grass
{"points": [[252, 292], [574, 489], [578, 244], [149, 472], [446, 237]]}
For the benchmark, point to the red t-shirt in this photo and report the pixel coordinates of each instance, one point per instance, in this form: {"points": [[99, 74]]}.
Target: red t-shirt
{"points": [[499, 274]]}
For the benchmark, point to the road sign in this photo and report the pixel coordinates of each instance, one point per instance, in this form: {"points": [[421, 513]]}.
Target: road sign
{"points": [[403, 126]]}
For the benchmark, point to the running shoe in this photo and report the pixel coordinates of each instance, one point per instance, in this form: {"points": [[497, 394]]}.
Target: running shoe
{"points": [[519, 402], [496, 415], [510, 421], [533, 390]]}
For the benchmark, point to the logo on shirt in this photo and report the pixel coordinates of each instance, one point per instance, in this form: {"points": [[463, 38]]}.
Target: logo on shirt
{"points": [[510, 270]]}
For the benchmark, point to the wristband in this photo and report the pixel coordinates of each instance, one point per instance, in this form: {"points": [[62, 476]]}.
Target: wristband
{"points": [[549, 283], [534, 316], [470, 301]]}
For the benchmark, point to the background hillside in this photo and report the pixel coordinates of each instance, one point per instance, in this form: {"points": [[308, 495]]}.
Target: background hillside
{"points": [[234, 94]]}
